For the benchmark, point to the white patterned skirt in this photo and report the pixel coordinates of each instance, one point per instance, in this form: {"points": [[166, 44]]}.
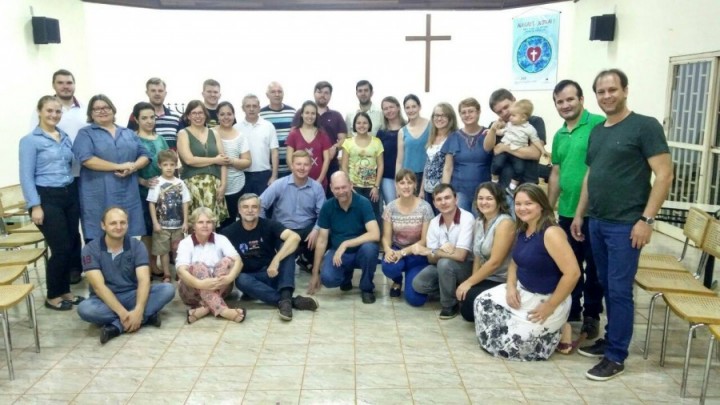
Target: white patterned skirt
{"points": [[506, 332]]}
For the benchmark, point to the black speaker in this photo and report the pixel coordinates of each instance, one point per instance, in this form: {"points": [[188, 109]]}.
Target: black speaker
{"points": [[46, 30], [602, 27]]}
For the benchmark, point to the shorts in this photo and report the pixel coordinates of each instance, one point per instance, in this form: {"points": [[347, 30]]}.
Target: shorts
{"points": [[163, 241]]}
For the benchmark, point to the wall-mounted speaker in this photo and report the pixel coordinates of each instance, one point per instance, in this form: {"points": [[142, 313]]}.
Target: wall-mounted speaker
{"points": [[46, 30], [602, 27]]}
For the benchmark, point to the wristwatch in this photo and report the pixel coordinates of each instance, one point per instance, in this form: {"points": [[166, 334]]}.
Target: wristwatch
{"points": [[647, 220]]}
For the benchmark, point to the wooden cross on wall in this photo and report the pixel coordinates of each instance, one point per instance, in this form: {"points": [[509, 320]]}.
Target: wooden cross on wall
{"points": [[427, 38]]}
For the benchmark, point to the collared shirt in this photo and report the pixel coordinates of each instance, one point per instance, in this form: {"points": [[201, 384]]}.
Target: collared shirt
{"points": [[331, 121], [295, 207], [569, 149], [119, 272], [344, 225], [376, 118], [261, 138], [282, 121], [209, 254], [72, 120], [44, 162], [459, 233]]}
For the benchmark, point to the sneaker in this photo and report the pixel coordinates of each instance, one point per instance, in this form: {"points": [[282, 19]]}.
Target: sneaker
{"points": [[108, 332], [346, 287], [395, 292], [449, 312], [305, 303], [154, 320], [368, 297], [605, 370], [597, 349], [591, 327], [285, 309]]}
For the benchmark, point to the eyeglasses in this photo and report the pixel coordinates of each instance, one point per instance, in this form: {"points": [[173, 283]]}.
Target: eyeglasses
{"points": [[101, 109], [196, 114], [437, 116]]}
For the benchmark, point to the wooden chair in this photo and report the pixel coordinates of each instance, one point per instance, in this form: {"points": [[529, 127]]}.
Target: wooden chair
{"points": [[25, 257], [10, 295], [664, 282], [8, 275], [12, 201], [713, 346], [694, 230]]}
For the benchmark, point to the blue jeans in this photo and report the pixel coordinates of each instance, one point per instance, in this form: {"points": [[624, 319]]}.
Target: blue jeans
{"points": [[387, 188], [365, 257], [617, 263], [259, 285], [94, 310], [465, 201], [411, 265], [588, 286]]}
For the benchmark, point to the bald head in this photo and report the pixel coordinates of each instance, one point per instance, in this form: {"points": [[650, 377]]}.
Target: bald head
{"points": [[339, 177]]}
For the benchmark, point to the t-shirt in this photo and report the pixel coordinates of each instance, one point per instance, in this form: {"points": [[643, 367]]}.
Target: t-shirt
{"points": [[518, 136], [233, 149], [344, 225], [258, 246], [619, 180], [362, 161], [407, 228], [118, 272], [169, 197], [569, 150], [261, 138], [191, 251], [315, 149]]}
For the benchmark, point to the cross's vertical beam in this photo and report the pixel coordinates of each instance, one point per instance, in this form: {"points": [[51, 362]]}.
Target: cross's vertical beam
{"points": [[428, 38]]}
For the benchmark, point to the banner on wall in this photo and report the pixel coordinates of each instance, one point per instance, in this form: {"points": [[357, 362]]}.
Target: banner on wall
{"points": [[535, 51]]}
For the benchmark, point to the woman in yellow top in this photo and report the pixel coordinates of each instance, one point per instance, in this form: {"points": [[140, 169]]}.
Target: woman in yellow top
{"points": [[362, 160]]}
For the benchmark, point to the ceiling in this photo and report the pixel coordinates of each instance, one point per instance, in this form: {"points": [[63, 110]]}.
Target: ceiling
{"points": [[327, 4]]}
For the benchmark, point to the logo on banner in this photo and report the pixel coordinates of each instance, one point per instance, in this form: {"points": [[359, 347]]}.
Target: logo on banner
{"points": [[534, 54]]}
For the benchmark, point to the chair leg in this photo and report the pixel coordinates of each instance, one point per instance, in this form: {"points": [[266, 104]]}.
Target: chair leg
{"points": [[663, 346], [33, 322], [26, 280], [686, 366], [649, 324], [37, 272], [706, 376], [8, 348]]}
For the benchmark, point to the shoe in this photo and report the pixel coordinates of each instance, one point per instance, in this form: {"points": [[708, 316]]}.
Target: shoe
{"points": [[304, 264], [108, 332], [154, 320], [368, 297], [605, 370], [75, 277], [395, 292], [285, 309], [346, 287], [78, 299], [305, 303], [64, 305], [591, 327], [597, 349], [449, 312]]}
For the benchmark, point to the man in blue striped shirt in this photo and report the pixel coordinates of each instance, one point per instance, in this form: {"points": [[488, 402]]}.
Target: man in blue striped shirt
{"points": [[281, 116]]}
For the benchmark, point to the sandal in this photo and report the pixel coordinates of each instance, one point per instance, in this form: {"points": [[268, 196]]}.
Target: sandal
{"points": [[166, 278], [241, 315], [566, 348], [191, 317]]}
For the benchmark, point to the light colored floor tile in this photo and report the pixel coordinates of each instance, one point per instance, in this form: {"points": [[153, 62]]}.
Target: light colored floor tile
{"points": [[486, 375], [215, 397], [433, 375], [282, 355], [498, 396], [106, 398], [557, 395], [331, 353], [83, 357], [329, 377], [152, 398], [24, 379], [185, 356], [284, 397], [117, 380], [369, 353], [42, 399], [327, 397], [440, 396], [170, 379], [223, 378], [63, 381], [397, 396], [381, 376], [46, 359], [275, 377]]}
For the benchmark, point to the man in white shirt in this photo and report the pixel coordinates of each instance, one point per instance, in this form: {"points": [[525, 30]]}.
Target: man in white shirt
{"points": [[364, 93], [449, 245], [263, 142]]}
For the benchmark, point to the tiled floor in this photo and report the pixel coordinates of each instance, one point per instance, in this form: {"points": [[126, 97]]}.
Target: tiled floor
{"points": [[346, 352]]}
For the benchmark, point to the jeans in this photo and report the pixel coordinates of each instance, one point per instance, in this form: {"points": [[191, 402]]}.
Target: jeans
{"points": [[387, 189], [442, 278], [411, 265], [256, 182], [365, 257], [95, 311], [259, 285], [61, 206], [588, 285], [617, 263]]}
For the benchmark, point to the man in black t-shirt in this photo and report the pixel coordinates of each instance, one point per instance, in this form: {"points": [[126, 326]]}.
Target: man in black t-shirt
{"points": [[267, 252]]}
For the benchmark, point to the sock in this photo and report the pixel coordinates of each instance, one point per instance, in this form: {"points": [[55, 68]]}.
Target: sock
{"points": [[513, 186], [495, 180]]}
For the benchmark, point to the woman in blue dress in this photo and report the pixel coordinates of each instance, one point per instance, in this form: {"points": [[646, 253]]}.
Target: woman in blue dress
{"points": [[110, 156], [412, 139]]}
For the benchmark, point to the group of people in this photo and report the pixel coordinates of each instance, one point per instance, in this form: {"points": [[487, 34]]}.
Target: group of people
{"points": [[435, 196]]}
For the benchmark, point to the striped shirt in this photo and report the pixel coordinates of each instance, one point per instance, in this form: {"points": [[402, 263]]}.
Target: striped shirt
{"points": [[282, 121]]}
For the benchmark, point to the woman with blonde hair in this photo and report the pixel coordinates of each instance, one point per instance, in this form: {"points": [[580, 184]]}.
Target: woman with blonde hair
{"points": [[443, 123]]}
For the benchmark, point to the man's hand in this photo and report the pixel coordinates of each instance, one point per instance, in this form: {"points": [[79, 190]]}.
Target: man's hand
{"points": [[337, 257], [272, 269], [311, 238], [271, 180], [641, 234], [576, 229], [132, 321], [157, 227], [500, 148], [314, 285], [448, 248]]}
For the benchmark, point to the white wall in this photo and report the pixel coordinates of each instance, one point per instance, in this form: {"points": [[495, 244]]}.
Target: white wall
{"points": [[27, 68]]}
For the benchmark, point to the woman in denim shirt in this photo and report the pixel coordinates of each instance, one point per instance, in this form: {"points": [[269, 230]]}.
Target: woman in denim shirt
{"points": [[52, 199]]}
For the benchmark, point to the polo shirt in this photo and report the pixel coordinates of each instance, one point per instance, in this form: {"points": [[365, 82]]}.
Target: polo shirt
{"points": [[261, 138], [344, 225], [119, 272], [258, 246], [331, 121], [296, 207], [166, 125], [282, 121], [460, 232], [376, 118], [569, 149], [190, 251]]}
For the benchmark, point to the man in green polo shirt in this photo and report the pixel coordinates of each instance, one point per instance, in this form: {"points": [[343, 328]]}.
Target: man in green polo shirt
{"points": [[569, 149]]}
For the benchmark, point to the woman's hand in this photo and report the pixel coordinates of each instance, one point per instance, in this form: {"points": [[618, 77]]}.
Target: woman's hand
{"points": [[220, 195], [213, 283], [462, 290], [392, 256], [513, 297], [37, 216], [374, 194], [151, 182], [222, 160], [541, 312]]}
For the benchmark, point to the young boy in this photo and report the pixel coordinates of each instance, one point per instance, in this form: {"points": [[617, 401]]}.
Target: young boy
{"points": [[169, 204], [517, 134]]}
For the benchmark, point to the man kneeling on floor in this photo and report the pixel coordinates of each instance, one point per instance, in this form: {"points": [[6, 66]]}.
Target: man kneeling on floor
{"points": [[267, 252], [117, 269]]}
